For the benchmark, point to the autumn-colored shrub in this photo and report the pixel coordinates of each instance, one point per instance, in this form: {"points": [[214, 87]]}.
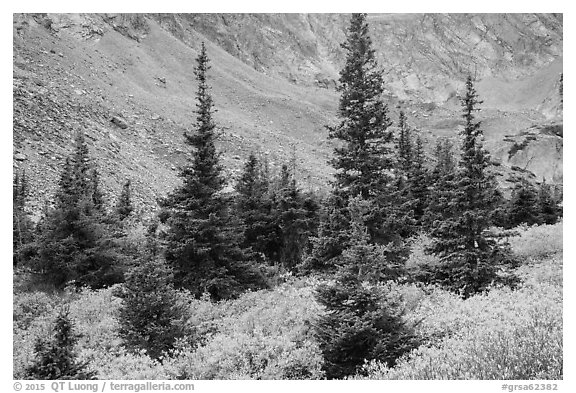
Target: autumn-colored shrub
{"points": [[501, 334], [537, 241], [261, 335]]}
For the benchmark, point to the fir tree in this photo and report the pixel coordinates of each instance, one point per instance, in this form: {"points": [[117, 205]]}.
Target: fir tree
{"points": [[152, 315], [76, 242], [22, 226], [441, 179], [523, 206], [296, 219], [363, 161], [56, 357], [363, 158], [255, 207], [362, 322], [203, 238], [332, 238], [95, 190], [418, 183], [468, 253], [404, 145], [549, 211], [124, 205]]}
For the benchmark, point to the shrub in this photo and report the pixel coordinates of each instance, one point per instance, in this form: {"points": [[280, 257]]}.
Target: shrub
{"points": [[538, 241], [99, 343], [532, 350], [260, 335], [502, 334], [29, 306]]}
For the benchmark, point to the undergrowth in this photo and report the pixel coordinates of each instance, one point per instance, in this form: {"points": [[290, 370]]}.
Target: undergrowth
{"points": [[500, 334]]}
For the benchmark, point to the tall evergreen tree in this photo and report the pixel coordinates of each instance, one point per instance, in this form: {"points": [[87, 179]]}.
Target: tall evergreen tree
{"points": [[363, 158], [468, 253], [203, 238]]}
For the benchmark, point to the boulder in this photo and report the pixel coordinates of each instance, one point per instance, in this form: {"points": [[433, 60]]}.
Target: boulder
{"points": [[119, 121], [20, 157]]}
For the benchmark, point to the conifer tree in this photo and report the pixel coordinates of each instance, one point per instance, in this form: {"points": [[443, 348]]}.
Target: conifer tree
{"points": [[96, 191], [76, 242], [152, 315], [296, 219], [404, 144], [363, 158], [523, 206], [22, 226], [203, 239], [363, 162], [332, 238], [362, 322], [441, 179], [548, 206], [124, 205], [418, 183], [468, 253], [255, 207], [278, 217], [56, 357]]}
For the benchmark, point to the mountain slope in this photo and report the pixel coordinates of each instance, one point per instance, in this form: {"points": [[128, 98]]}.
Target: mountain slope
{"points": [[273, 79]]}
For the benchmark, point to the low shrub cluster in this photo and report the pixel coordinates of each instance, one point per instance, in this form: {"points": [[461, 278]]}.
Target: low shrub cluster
{"points": [[537, 241], [261, 335], [502, 334]]}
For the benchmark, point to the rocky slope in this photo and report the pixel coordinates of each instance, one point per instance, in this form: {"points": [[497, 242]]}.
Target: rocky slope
{"points": [[127, 81]]}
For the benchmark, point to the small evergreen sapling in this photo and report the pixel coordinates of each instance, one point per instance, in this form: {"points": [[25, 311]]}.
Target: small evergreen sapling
{"points": [[524, 206], [22, 225], [124, 206], [56, 357], [152, 316], [362, 321], [549, 209], [76, 242]]}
